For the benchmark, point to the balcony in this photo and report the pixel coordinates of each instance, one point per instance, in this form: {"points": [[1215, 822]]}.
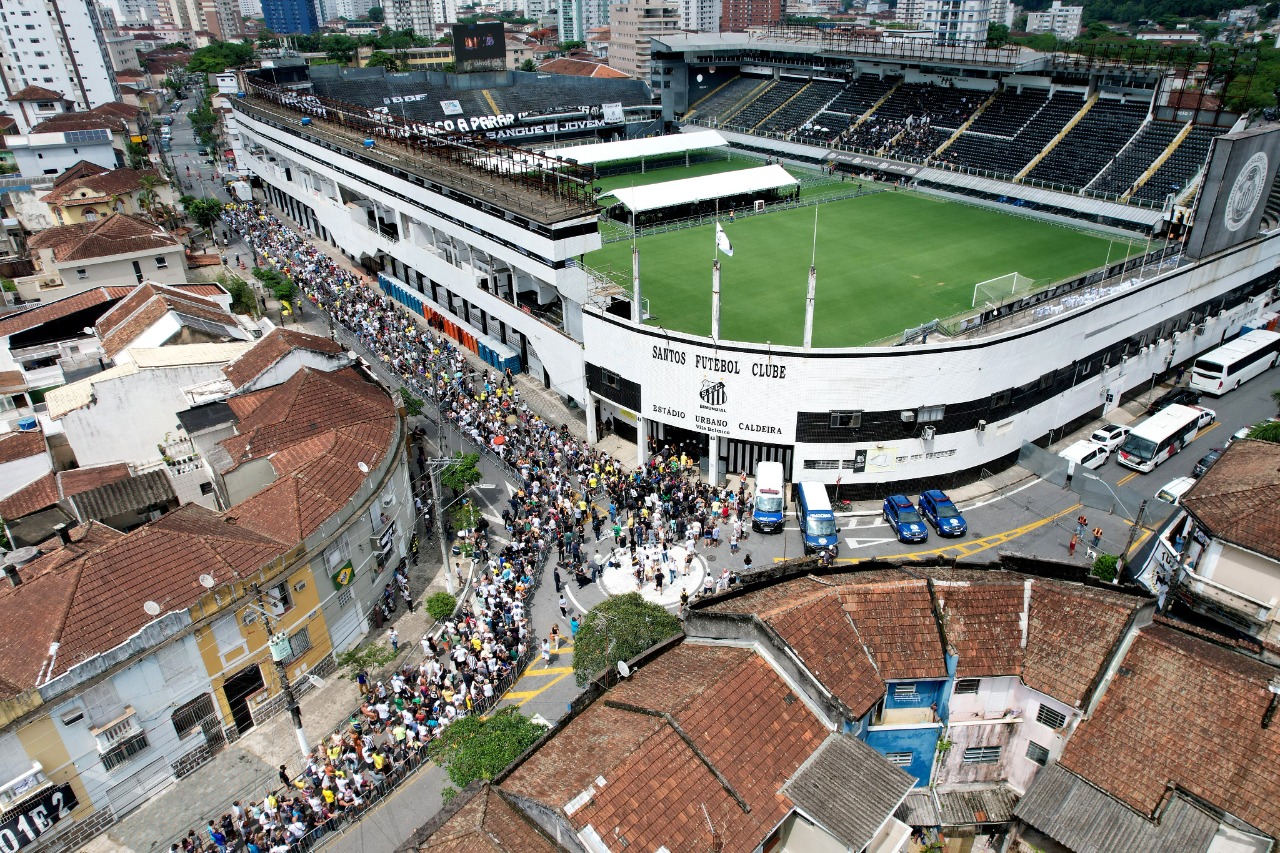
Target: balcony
{"points": [[1219, 601]]}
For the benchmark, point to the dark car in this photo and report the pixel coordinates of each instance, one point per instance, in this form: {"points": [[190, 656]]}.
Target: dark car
{"points": [[901, 514], [939, 511], [1206, 462], [1174, 396]]}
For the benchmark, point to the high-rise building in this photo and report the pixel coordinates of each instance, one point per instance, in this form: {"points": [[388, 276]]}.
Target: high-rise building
{"points": [[132, 11], [351, 9], [421, 16], [577, 17], [737, 15], [1063, 21], [961, 20], [56, 45], [631, 25], [290, 17], [223, 19], [251, 8], [701, 16]]}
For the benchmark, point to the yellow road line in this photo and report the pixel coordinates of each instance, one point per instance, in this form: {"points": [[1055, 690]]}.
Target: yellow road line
{"points": [[525, 695], [973, 546], [1127, 477], [550, 670]]}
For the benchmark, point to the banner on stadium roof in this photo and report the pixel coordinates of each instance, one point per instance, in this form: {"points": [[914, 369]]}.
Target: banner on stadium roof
{"points": [[612, 112], [451, 108]]}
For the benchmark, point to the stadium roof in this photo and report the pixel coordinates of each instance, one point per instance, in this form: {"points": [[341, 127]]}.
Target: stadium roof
{"points": [[705, 188], [632, 149]]}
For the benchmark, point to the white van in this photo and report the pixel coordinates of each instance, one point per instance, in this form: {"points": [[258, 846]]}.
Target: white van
{"points": [[1172, 491], [1086, 454], [770, 501]]}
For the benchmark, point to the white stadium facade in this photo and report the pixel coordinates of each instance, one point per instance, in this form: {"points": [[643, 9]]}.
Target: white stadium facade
{"points": [[461, 230]]}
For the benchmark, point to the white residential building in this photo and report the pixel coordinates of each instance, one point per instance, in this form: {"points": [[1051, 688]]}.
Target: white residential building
{"points": [[349, 9], [961, 20], [634, 22], [57, 45], [1063, 21], [421, 16], [577, 17], [701, 16], [251, 8], [132, 11]]}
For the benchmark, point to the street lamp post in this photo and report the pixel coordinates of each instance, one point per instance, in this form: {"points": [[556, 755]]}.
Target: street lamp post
{"points": [[280, 649], [434, 466]]}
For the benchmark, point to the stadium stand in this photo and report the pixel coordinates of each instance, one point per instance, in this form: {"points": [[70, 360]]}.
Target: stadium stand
{"points": [[1181, 167], [759, 108], [1149, 144], [1009, 112], [915, 120], [1009, 156], [860, 95], [797, 112], [727, 97], [1092, 144]]}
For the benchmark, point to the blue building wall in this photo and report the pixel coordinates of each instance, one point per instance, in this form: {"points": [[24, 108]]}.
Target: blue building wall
{"points": [[291, 16], [922, 743]]}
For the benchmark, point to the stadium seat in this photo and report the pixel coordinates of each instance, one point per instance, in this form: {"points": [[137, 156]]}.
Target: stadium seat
{"points": [[1137, 158], [799, 110], [1181, 167], [1092, 144], [1006, 156], [726, 98]]}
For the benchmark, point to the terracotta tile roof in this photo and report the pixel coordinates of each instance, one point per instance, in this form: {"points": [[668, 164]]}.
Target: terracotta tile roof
{"points": [[896, 621], [1184, 712], [656, 784], [37, 608], [1071, 633], [580, 68], [79, 480], [167, 555], [208, 291], [133, 315], [119, 109], [273, 347], [769, 598], [12, 382], [482, 822], [32, 497], [36, 93], [21, 321], [20, 445], [117, 234], [984, 616], [824, 637], [81, 169], [65, 122], [1238, 500], [104, 186]]}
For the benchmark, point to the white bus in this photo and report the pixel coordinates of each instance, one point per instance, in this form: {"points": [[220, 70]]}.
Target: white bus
{"points": [[1159, 437], [1226, 367]]}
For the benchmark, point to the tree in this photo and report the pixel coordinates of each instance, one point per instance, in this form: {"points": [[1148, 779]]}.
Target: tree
{"points": [[412, 404], [1104, 567], [478, 747], [367, 658], [220, 56], [205, 212], [266, 38], [528, 65], [619, 628], [462, 473], [242, 298], [340, 48], [376, 14], [148, 198], [567, 46], [997, 35], [441, 605], [381, 57], [136, 153], [543, 35]]}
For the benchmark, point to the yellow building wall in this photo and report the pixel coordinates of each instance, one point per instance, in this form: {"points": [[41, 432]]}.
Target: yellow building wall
{"points": [[74, 214], [42, 743]]}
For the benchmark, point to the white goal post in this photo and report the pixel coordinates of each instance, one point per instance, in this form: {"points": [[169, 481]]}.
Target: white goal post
{"points": [[993, 291]]}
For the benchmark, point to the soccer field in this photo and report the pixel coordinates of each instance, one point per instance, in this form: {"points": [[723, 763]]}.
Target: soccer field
{"points": [[886, 262]]}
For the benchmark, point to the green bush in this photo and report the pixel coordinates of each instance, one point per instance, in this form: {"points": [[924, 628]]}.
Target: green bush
{"points": [[1104, 567], [441, 605]]}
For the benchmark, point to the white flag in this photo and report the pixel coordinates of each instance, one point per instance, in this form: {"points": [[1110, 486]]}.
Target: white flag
{"points": [[722, 240]]}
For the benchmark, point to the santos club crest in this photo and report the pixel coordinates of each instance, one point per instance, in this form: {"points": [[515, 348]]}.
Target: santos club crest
{"points": [[1246, 192], [713, 393]]}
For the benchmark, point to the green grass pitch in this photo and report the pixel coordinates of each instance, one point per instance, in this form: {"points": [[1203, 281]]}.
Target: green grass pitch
{"points": [[886, 263], [679, 172]]}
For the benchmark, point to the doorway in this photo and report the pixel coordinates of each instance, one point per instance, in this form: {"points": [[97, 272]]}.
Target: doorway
{"points": [[238, 688]]}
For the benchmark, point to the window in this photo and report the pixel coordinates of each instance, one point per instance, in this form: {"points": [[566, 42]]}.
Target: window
{"points": [[91, 215], [905, 691], [1046, 716], [299, 643], [162, 263], [137, 271], [900, 759], [175, 663], [1037, 753], [206, 488], [967, 686], [82, 273], [846, 420], [124, 750], [930, 414], [982, 755], [278, 600], [227, 634], [336, 554], [609, 378]]}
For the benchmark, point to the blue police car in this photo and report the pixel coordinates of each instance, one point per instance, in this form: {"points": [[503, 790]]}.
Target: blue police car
{"points": [[939, 511], [903, 518]]}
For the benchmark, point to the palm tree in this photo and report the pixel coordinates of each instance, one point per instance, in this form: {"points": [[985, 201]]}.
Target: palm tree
{"points": [[148, 198]]}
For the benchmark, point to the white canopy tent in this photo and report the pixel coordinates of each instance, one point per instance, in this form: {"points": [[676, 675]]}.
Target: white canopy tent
{"points": [[705, 188], [637, 149]]}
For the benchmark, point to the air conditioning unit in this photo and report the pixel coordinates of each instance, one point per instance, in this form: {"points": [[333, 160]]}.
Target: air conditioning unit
{"points": [[907, 416], [982, 426], [928, 433], [1200, 330], [249, 617], [388, 500]]}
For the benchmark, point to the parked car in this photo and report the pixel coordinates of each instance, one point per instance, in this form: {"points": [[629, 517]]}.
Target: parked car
{"points": [[939, 511], [203, 152], [1206, 462], [1207, 416], [1172, 491], [1243, 432], [1110, 436], [1086, 453], [904, 519], [168, 120], [1181, 396]]}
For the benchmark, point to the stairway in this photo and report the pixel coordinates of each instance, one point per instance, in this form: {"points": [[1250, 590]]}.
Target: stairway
{"points": [[953, 137], [1053, 143], [1159, 161]]}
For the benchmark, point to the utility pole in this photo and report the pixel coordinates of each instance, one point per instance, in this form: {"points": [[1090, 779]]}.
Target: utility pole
{"points": [[438, 509], [280, 650], [1133, 534]]}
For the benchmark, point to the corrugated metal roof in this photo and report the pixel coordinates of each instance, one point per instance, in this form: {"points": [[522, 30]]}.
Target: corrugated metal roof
{"points": [[1087, 820], [849, 788], [919, 809], [976, 805], [124, 496]]}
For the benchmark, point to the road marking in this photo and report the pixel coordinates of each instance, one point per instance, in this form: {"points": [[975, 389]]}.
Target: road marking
{"points": [[862, 543], [551, 670], [1127, 477], [973, 546], [523, 696]]}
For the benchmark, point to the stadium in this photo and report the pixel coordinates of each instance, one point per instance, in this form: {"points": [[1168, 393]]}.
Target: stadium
{"points": [[930, 254]]}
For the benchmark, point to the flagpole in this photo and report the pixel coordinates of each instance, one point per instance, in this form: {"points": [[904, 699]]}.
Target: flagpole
{"points": [[813, 285], [715, 278], [637, 306]]}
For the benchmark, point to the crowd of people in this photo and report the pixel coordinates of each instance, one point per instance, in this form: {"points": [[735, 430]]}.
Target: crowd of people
{"points": [[571, 496]]}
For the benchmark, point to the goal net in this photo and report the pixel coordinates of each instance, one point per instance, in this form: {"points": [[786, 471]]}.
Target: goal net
{"points": [[993, 291]]}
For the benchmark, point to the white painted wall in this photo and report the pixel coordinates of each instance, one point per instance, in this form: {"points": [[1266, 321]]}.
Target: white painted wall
{"points": [[22, 472]]}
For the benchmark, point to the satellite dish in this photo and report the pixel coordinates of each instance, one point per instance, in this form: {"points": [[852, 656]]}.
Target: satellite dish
{"points": [[207, 581], [364, 469], [151, 608], [623, 669]]}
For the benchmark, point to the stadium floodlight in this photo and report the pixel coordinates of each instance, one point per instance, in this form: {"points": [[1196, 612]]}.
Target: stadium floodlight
{"points": [[993, 291]]}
